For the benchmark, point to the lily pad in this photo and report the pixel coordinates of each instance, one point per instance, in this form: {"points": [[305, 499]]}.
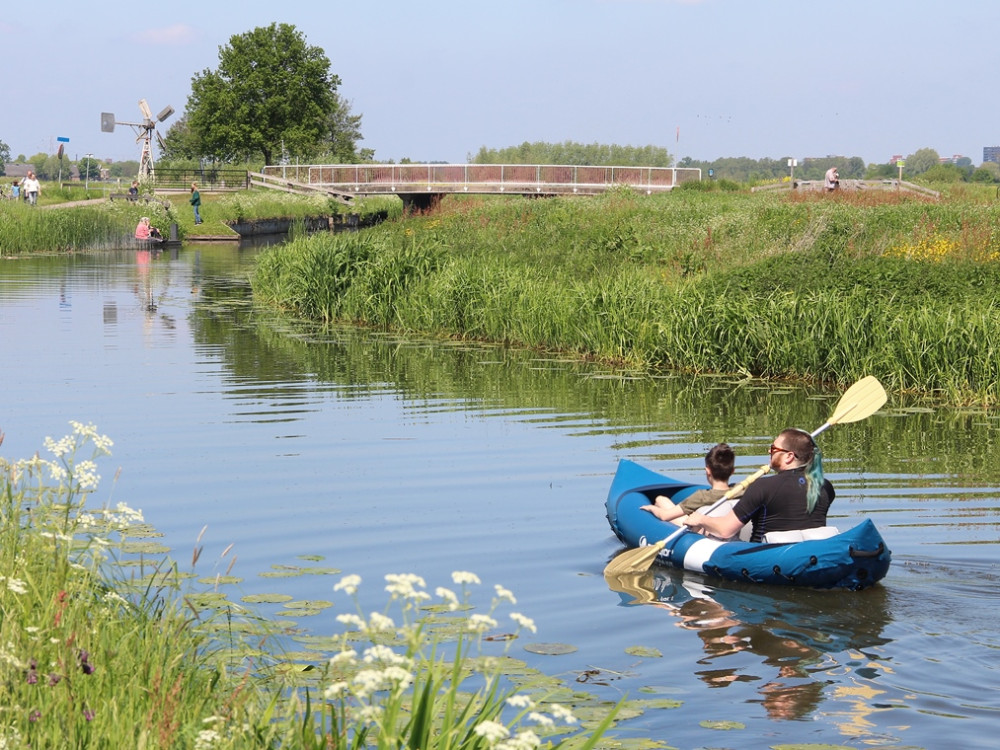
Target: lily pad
{"points": [[309, 604], [645, 651], [724, 725], [220, 580], [266, 598], [553, 649]]}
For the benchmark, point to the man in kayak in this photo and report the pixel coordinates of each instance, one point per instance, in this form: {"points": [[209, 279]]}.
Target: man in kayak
{"points": [[720, 461], [795, 498]]}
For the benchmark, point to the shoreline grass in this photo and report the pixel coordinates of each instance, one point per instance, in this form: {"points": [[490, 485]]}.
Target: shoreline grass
{"points": [[793, 287], [93, 657], [109, 224]]}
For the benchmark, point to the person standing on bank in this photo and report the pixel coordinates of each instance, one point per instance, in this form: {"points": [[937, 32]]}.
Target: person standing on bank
{"points": [[797, 497], [195, 201]]}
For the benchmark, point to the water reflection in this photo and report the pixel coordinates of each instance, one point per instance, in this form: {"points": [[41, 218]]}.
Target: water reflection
{"points": [[797, 636]]}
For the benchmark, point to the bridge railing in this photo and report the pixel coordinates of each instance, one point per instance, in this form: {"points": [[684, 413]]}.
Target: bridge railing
{"points": [[488, 178]]}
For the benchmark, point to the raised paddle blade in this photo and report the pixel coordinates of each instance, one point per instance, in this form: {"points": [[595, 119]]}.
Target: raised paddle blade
{"points": [[861, 400]]}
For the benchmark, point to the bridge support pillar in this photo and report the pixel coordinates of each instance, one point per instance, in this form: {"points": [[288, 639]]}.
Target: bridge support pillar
{"points": [[414, 203]]}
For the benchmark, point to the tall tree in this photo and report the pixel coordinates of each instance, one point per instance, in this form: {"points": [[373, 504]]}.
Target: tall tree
{"points": [[4, 157], [272, 94]]}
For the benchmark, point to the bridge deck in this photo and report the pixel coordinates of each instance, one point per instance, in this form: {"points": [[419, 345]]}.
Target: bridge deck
{"points": [[548, 179]]}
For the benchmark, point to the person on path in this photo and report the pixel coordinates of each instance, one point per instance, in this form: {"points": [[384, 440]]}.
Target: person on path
{"points": [[195, 201], [796, 498], [31, 188]]}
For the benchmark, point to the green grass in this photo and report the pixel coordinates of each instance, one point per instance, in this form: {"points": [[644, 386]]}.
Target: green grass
{"points": [[94, 656], [777, 286]]}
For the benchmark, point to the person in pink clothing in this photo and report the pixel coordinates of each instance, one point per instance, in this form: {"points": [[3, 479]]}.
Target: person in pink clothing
{"points": [[143, 231]]}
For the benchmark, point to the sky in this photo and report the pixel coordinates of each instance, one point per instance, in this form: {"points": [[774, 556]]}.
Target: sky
{"points": [[436, 80]]}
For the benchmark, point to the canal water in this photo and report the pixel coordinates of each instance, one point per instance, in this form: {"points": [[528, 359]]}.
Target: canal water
{"points": [[312, 451]]}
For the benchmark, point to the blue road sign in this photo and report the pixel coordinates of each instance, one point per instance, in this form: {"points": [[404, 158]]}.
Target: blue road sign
{"points": [[62, 139]]}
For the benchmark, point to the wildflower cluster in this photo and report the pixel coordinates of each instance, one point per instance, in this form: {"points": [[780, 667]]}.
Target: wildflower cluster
{"points": [[370, 688]]}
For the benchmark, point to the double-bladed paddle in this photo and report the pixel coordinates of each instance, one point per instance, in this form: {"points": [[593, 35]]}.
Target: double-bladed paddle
{"points": [[861, 400]]}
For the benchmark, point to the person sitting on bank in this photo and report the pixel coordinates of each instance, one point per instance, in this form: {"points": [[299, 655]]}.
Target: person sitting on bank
{"points": [[795, 499], [832, 179], [720, 462], [143, 231]]}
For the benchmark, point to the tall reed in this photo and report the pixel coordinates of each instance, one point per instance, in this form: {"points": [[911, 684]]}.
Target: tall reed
{"points": [[710, 282]]}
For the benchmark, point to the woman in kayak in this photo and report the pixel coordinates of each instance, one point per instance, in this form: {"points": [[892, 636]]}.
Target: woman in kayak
{"points": [[796, 497]]}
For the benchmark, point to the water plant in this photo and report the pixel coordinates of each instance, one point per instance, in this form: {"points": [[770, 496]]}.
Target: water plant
{"points": [[91, 656]]}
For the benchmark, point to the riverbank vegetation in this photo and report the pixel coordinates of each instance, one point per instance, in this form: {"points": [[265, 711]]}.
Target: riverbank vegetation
{"points": [[101, 224], [94, 656], [800, 285]]}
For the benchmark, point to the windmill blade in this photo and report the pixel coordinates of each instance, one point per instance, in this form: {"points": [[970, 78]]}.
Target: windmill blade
{"points": [[159, 139], [107, 122], [165, 113], [144, 108]]}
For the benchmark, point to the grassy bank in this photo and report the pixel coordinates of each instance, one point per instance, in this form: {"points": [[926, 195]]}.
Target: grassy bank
{"points": [[61, 227], [98, 653], [777, 286]]}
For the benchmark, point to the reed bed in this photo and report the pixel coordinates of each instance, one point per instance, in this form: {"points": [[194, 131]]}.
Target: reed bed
{"points": [[30, 229], [764, 286], [93, 657]]}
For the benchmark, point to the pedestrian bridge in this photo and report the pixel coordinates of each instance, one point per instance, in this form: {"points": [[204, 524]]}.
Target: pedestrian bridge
{"points": [[422, 185]]}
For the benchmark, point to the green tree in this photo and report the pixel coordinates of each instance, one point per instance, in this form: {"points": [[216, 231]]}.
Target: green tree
{"points": [[272, 94], [4, 157], [578, 154], [920, 161]]}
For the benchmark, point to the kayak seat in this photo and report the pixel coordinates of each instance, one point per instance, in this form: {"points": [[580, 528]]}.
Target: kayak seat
{"points": [[800, 535]]}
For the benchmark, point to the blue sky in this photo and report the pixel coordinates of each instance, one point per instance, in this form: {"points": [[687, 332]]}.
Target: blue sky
{"points": [[438, 79]]}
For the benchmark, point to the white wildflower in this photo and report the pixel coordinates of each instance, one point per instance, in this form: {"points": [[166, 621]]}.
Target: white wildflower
{"points": [[378, 621], [335, 690], [61, 448], [562, 713], [462, 576], [351, 619], [366, 682], [492, 731], [348, 584], [481, 623], [503, 593], [206, 739], [401, 586], [398, 676], [347, 656], [541, 719], [524, 740], [16, 585], [129, 515], [370, 714], [520, 701], [86, 475], [525, 622], [448, 595]]}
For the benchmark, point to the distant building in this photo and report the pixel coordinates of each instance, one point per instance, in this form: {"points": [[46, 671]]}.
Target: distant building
{"points": [[991, 153], [953, 159]]}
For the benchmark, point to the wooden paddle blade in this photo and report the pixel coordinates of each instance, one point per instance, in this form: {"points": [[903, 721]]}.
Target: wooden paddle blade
{"points": [[634, 561], [861, 400]]}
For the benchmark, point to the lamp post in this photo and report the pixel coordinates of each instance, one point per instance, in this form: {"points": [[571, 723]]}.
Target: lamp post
{"points": [[86, 182]]}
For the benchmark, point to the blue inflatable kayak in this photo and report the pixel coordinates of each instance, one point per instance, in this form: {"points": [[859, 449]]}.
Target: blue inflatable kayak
{"points": [[853, 559]]}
